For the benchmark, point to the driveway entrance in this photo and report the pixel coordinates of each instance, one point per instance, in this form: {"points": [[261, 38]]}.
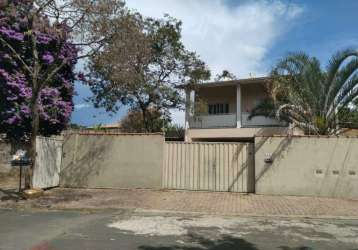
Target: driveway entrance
{"points": [[209, 166]]}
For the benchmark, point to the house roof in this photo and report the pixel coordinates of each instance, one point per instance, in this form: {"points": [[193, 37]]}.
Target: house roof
{"points": [[108, 126], [228, 83]]}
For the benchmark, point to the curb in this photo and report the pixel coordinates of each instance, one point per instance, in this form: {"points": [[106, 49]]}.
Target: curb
{"points": [[273, 216]]}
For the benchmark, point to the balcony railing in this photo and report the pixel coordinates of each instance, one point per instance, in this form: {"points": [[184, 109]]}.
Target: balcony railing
{"points": [[259, 121], [229, 121], [213, 121]]}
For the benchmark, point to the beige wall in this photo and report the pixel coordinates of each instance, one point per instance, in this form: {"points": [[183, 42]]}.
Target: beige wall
{"points": [[305, 166], [5, 157], [197, 134], [112, 161]]}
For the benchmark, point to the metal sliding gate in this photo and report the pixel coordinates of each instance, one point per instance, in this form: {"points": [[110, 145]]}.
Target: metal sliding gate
{"points": [[209, 166]]}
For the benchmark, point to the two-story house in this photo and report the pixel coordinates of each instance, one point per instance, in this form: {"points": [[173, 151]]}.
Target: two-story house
{"points": [[219, 111]]}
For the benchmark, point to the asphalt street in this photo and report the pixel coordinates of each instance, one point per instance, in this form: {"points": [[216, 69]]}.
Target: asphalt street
{"points": [[125, 229]]}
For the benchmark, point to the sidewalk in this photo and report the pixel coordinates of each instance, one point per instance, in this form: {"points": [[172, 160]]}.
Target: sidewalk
{"points": [[186, 201]]}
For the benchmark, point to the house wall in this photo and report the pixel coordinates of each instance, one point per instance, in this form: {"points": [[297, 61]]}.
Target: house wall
{"points": [[307, 166], [252, 94], [112, 161], [213, 95]]}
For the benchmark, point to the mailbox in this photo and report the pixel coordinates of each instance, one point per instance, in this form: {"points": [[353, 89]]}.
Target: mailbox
{"points": [[268, 158], [20, 159]]}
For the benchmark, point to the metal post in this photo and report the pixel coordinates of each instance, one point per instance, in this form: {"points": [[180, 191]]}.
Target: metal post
{"points": [[20, 178], [238, 106]]}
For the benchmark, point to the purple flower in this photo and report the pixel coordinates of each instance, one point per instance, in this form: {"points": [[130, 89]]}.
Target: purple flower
{"points": [[12, 34], [55, 101], [43, 38], [25, 110], [3, 73], [13, 119], [49, 93], [25, 92], [11, 98], [48, 57]]}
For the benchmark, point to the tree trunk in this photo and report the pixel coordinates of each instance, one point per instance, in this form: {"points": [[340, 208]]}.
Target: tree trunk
{"points": [[32, 144], [145, 120], [36, 88]]}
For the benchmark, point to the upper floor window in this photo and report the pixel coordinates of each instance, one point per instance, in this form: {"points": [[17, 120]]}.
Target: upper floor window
{"points": [[218, 108]]}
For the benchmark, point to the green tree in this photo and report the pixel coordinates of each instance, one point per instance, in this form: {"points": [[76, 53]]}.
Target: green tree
{"points": [[348, 116], [133, 122], [40, 44], [142, 67], [308, 96], [174, 132], [225, 75]]}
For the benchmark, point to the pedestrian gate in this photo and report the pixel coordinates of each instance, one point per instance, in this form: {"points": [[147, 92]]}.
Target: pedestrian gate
{"points": [[48, 162]]}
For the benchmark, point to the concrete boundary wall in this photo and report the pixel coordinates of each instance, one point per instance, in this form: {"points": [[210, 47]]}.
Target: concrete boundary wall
{"points": [[307, 166], [5, 157], [112, 160]]}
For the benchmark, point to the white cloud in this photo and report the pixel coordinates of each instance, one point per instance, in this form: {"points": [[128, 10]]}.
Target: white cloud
{"points": [[236, 38], [82, 105]]}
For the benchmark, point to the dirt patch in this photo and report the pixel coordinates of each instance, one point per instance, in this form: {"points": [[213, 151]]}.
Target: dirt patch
{"points": [[310, 230], [9, 180]]}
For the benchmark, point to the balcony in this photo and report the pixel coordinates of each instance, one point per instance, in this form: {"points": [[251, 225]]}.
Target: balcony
{"points": [[213, 121], [259, 121], [229, 121]]}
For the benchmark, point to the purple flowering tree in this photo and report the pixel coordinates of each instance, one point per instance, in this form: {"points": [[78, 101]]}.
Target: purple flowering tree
{"points": [[40, 44]]}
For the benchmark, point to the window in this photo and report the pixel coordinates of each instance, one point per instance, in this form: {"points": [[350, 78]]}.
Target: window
{"points": [[218, 108]]}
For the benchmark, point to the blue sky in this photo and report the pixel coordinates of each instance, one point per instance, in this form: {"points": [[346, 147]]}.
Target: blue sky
{"points": [[245, 37]]}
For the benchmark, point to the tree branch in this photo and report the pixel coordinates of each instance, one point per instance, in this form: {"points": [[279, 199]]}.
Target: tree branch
{"points": [[17, 56], [42, 7], [37, 66], [54, 72]]}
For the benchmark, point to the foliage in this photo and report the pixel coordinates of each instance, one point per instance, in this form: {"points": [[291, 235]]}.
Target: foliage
{"points": [[348, 117], [142, 66], [158, 122], [265, 108], [76, 126], [201, 106], [309, 97], [174, 131], [17, 92], [40, 43], [225, 75], [133, 122]]}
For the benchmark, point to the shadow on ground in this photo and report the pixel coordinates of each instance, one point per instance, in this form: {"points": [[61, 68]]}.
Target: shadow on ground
{"points": [[196, 242], [10, 195], [224, 243], [295, 248]]}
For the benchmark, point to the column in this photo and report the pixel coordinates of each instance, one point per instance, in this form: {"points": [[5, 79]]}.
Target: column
{"points": [[187, 108], [238, 106]]}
